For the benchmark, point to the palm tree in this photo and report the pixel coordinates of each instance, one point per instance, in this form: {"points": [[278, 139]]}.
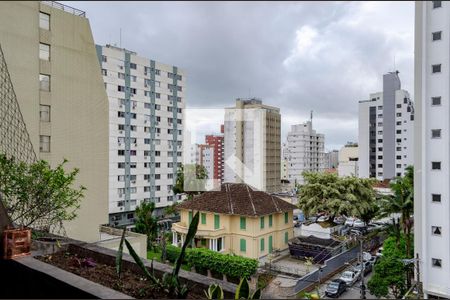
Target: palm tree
{"points": [[402, 202]]}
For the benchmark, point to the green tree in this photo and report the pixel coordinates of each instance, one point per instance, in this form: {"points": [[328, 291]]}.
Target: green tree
{"points": [[402, 202], [325, 192], [146, 222], [191, 180], [38, 196]]}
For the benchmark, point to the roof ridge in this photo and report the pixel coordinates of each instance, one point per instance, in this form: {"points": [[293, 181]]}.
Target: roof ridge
{"points": [[251, 200], [274, 203]]}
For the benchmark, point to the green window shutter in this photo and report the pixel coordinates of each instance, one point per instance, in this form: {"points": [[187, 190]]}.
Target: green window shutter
{"points": [[286, 217], [270, 244], [203, 218], [243, 223], [243, 245], [190, 218], [286, 237], [270, 221], [216, 221], [262, 244], [262, 222]]}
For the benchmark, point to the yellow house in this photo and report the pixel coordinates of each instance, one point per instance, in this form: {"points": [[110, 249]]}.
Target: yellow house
{"points": [[237, 219]]}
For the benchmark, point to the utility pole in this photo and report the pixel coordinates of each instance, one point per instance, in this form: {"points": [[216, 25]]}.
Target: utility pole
{"points": [[363, 287]]}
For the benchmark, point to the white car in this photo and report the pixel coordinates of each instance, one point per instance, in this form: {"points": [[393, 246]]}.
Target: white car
{"points": [[358, 223], [379, 252], [350, 277], [339, 220], [349, 221], [323, 218]]}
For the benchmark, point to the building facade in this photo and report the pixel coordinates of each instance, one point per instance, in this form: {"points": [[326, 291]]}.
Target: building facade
{"points": [[386, 131], [305, 152], [216, 142], [252, 140], [239, 220], [432, 147], [348, 160], [146, 102], [50, 53], [331, 159]]}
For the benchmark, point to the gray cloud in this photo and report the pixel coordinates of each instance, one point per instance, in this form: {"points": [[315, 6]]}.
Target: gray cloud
{"points": [[299, 56]]}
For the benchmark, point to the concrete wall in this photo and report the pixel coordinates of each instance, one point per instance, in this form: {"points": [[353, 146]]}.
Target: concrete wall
{"points": [[110, 238], [79, 106]]}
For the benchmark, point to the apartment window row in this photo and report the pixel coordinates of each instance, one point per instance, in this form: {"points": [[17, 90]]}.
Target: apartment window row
{"points": [[172, 75], [172, 87]]}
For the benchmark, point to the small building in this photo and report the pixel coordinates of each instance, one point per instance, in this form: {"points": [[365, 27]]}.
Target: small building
{"points": [[237, 219], [317, 248], [348, 160]]}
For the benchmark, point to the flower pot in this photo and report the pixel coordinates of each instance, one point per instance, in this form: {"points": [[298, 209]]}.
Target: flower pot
{"points": [[16, 242]]}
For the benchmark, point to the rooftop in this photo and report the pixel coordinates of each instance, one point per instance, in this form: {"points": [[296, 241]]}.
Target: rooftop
{"points": [[65, 8], [238, 199]]}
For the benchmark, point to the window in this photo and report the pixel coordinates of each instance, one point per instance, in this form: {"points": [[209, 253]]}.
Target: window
{"points": [[44, 113], [436, 230], [157, 176], [121, 165], [104, 58], [44, 21], [44, 51], [436, 197], [44, 143], [203, 218], [120, 152], [399, 157], [44, 82], [121, 178], [133, 78], [121, 114], [436, 68], [132, 165], [286, 237], [121, 75], [399, 131], [437, 4], [170, 176], [435, 133], [133, 66], [120, 88], [435, 165], [435, 101], [261, 222], [261, 245], [243, 245], [399, 106], [399, 114], [286, 217], [437, 35], [436, 262], [243, 223], [270, 220], [216, 221]]}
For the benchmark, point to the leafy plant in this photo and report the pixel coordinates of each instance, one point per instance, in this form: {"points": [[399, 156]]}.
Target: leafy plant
{"points": [[191, 180], [215, 291], [170, 282], [146, 223]]}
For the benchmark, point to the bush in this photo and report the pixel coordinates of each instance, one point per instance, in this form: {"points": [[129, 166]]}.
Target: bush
{"points": [[202, 259]]}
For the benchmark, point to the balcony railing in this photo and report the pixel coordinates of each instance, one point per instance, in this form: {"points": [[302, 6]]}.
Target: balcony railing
{"points": [[65, 8]]}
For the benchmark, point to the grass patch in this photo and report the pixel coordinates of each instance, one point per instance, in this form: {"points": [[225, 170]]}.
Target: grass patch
{"points": [[154, 255]]}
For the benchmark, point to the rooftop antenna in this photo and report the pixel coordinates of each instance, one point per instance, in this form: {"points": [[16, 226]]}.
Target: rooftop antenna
{"points": [[120, 38], [311, 117]]}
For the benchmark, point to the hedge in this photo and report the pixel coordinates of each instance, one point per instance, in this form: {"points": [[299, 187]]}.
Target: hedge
{"points": [[202, 258]]}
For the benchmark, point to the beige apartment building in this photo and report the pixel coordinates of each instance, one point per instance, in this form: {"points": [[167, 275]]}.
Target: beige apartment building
{"points": [[51, 57], [252, 151], [237, 219]]}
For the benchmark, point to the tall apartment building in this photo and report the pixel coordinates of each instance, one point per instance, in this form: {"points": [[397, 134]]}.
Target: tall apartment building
{"points": [[348, 160], [432, 146], [332, 159], [216, 142], [50, 54], [305, 151], [386, 134], [203, 155], [146, 101], [252, 138]]}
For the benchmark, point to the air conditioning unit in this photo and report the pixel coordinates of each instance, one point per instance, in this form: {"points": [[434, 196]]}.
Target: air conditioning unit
{"points": [[145, 121], [120, 131], [121, 208], [120, 144], [133, 181]]}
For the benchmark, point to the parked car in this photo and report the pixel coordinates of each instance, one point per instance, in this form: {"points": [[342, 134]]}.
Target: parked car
{"points": [[349, 221], [323, 218], [350, 277], [366, 256], [379, 252], [373, 260], [339, 220], [367, 267], [312, 219], [359, 223], [335, 288]]}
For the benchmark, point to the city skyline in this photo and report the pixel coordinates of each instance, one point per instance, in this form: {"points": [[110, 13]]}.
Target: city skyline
{"points": [[278, 50]]}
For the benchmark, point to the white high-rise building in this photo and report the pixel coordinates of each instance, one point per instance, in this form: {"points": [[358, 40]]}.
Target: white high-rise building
{"points": [[432, 146], [252, 151], [331, 159], [386, 134], [203, 155], [146, 101], [305, 152]]}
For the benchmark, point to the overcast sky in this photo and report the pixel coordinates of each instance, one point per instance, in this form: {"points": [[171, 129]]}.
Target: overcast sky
{"points": [[298, 56]]}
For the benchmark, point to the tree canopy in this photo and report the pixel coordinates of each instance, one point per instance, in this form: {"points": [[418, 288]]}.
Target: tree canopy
{"points": [[191, 180], [326, 192], [36, 195], [146, 223]]}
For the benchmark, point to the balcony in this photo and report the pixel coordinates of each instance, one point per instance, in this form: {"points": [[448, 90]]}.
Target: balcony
{"points": [[182, 228]]}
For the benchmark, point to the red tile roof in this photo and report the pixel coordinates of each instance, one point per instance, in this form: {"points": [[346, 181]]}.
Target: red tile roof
{"points": [[237, 199]]}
